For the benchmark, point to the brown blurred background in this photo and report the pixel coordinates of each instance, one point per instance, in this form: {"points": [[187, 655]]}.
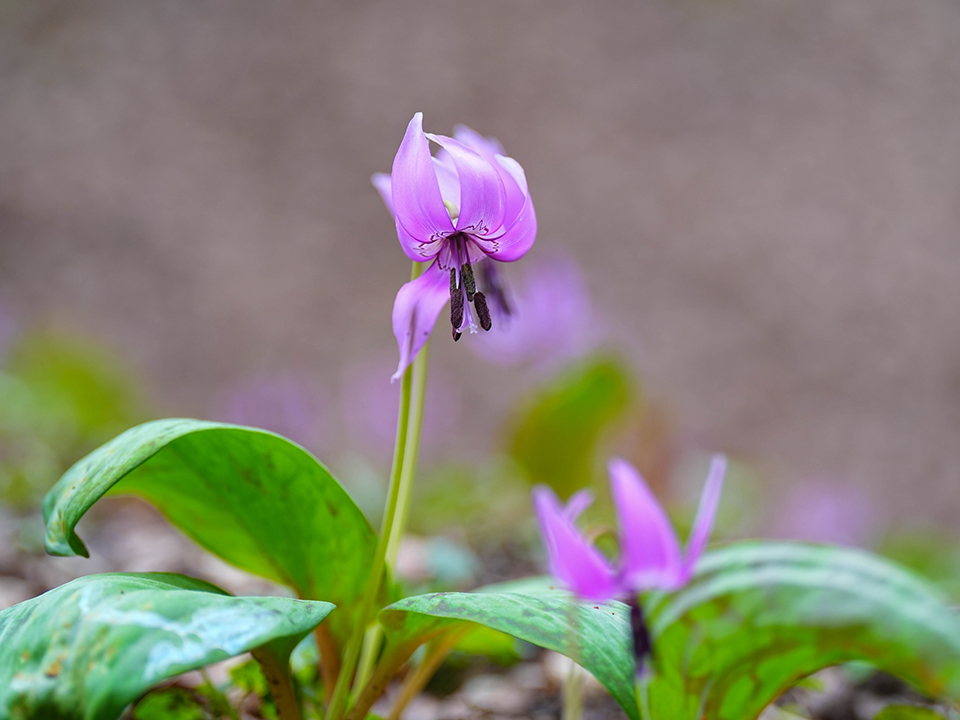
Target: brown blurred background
{"points": [[764, 196]]}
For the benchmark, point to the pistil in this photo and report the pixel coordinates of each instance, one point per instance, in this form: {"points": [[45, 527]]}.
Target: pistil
{"points": [[456, 305]]}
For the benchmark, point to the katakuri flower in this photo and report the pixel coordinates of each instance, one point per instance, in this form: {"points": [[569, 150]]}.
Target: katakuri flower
{"points": [[467, 205], [650, 555]]}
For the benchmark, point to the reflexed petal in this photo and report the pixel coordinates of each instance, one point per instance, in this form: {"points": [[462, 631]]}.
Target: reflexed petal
{"points": [[482, 195], [449, 182], [486, 146], [516, 189], [703, 524], [382, 182], [415, 312], [518, 234], [572, 560], [416, 192], [578, 502], [649, 551], [416, 250]]}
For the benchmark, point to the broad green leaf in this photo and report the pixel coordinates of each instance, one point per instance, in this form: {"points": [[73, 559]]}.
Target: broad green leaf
{"points": [[87, 649], [758, 616], [601, 642], [257, 500], [556, 439]]}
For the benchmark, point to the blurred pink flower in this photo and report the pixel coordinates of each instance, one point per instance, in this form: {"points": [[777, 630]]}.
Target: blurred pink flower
{"points": [[550, 319], [820, 511], [370, 408], [286, 404], [650, 555], [469, 204]]}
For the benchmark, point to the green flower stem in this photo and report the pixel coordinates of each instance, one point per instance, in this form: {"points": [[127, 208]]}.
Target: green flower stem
{"points": [[412, 452], [437, 652], [408, 474], [387, 528], [642, 705], [572, 708]]}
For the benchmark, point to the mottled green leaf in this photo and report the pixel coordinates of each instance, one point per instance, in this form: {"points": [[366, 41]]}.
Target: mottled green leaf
{"points": [[257, 500], [87, 649], [759, 616], [600, 643], [756, 618], [556, 438]]}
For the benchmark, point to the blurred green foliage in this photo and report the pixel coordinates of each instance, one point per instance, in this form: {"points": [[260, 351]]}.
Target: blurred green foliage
{"points": [[908, 712], [557, 436], [172, 703], [932, 553], [60, 397]]}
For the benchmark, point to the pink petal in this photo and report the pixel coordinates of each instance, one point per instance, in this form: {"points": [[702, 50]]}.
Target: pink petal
{"points": [[517, 235], [415, 312], [649, 551], [703, 524], [447, 177], [572, 560], [486, 146], [382, 182], [489, 148], [482, 195], [416, 195], [578, 502]]}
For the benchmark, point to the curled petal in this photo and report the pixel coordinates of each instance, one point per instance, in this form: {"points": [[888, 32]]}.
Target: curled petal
{"points": [[649, 551], [519, 230], [481, 188], [578, 502], [416, 250], [486, 146], [572, 560], [416, 196], [382, 182], [703, 524], [449, 182], [415, 312]]}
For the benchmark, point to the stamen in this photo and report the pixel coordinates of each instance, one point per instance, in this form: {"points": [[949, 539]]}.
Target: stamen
{"points": [[469, 283], [456, 304], [642, 647], [483, 312], [456, 334], [493, 285]]}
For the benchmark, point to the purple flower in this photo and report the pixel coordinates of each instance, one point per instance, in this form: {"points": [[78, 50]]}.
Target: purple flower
{"points": [[551, 320], [467, 205], [827, 512], [650, 555]]}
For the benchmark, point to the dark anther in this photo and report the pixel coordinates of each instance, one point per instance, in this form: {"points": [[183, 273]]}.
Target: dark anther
{"points": [[483, 312], [456, 334], [492, 284], [469, 284], [456, 304], [642, 647]]}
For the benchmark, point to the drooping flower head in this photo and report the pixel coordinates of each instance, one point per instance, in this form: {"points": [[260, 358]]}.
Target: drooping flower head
{"points": [[467, 205], [650, 554]]}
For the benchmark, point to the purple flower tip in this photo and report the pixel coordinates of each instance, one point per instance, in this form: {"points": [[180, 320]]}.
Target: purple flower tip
{"points": [[467, 205], [650, 555]]}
